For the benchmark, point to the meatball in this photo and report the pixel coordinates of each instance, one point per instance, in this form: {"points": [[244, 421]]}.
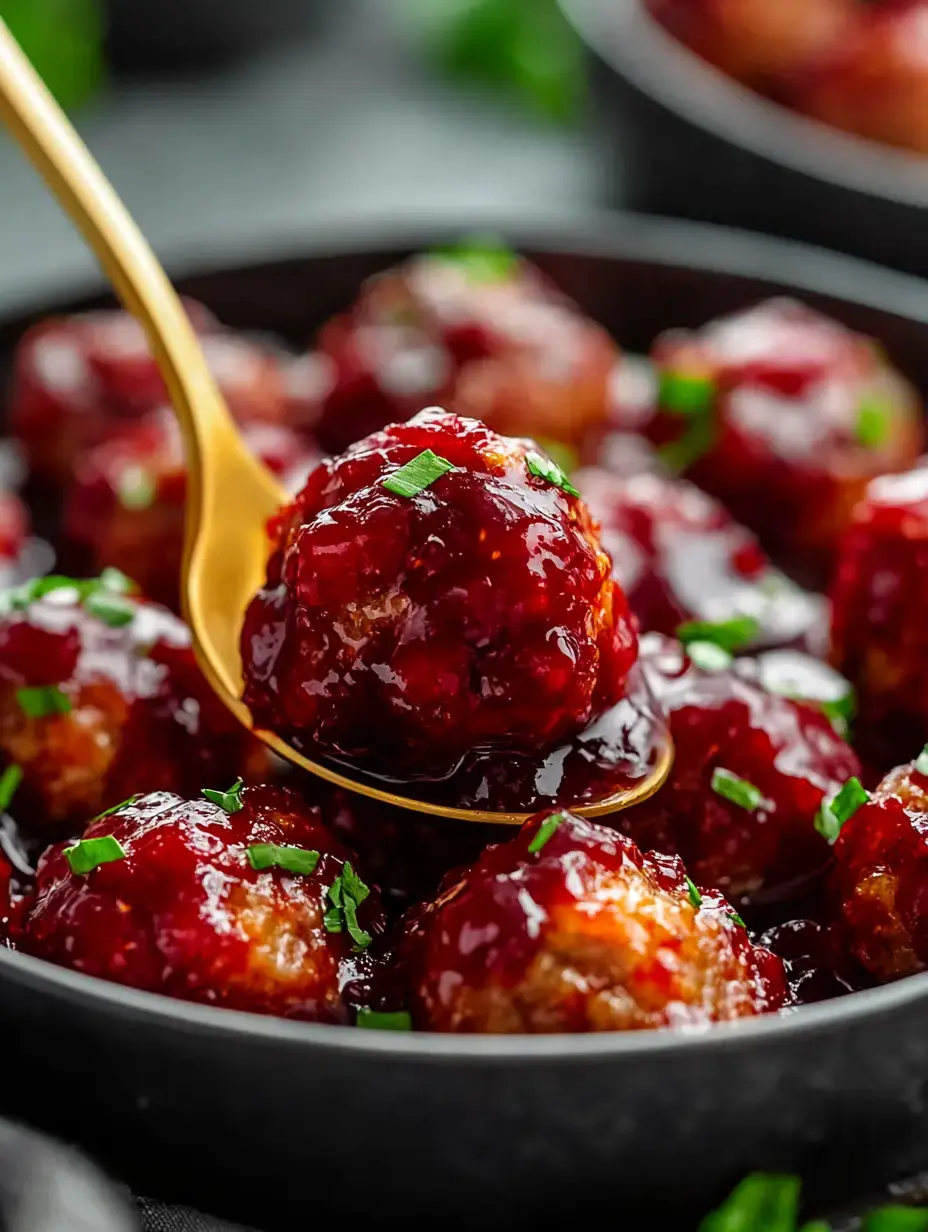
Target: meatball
{"points": [[243, 900], [753, 40], [874, 82], [879, 640], [681, 557], [568, 927], [783, 401], [436, 588], [751, 771], [100, 694], [126, 507], [881, 876], [77, 379], [474, 326]]}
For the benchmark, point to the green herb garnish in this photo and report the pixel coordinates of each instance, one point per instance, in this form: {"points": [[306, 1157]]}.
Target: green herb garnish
{"points": [[679, 455], [481, 259], [693, 890], [135, 489], [346, 894], [763, 1202], [874, 421], [685, 393], [40, 702], [738, 791], [548, 469], [921, 761], [117, 808], [115, 581], [377, 1020], [730, 635], [708, 656], [9, 781], [290, 859], [842, 806], [417, 475], [89, 853], [230, 800], [544, 831], [85, 590], [896, 1219], [563, 454], [111, 608]]}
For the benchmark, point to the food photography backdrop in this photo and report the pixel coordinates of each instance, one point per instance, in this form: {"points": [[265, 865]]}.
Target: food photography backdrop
{"points": [[234, 129]]}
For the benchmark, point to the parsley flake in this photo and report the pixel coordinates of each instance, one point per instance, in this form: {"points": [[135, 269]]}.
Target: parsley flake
{"points": [[738, 791], [545, 831], [9, 781], [377, 1020], [730, 635], [346, 894], [873, 422], [548, 469], [693, 890], [90, 853], [840, 808], [290, 859], [921, 761], [39, 703], [417, 475], [230, 800]]}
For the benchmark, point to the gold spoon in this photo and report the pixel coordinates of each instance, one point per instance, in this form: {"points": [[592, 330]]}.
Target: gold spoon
{"points": [[230, 493]]}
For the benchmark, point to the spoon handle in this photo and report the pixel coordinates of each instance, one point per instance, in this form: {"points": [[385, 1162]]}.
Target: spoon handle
{"points": [[51, 143]]}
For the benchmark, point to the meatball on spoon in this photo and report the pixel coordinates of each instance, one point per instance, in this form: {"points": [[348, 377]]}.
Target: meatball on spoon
{"points": [[231, 494]]}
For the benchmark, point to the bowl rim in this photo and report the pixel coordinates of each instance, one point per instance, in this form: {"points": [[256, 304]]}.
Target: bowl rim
{"points": [[624, 35], [603, 236]]}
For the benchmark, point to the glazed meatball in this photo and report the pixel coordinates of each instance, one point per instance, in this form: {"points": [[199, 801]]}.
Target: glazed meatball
{"points": [[244, 900], [568, 927], [127, 504], [78, 379], [435, 588], [881, 876], [475, 327], [874, 82], [879, 639], [99, 695], [681, 557], [755, 41], [781, 401], [751, 771]]}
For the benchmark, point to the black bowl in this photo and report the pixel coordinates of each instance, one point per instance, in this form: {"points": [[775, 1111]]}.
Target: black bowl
{"points": [[284, 1124], [692, 143]]}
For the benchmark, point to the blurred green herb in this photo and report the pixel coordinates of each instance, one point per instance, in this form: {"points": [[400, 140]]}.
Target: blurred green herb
{"points": [[64, 39], [767, 1202]]}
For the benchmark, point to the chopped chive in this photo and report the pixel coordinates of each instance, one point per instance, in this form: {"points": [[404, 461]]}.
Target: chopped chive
{"points": [[290, 859], [418, 474], [40, 702], [89, 853], [873, 422], [9, 781], [230, 800], [730, 635], [836, 812], [346, 894], [115, 580], [112, 609], [377, 1020], [135, 489], [895, 1219], [733, 915], [685, 393], [548, 469], [545, 831], [708, 656], [921, 761], [693, 890], [481, 259], [117, 808], [563, 454], [762, 1202], [738, 791]]}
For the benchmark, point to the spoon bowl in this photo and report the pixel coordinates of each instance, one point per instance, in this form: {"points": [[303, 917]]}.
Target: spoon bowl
{"points": [[231, 495]]}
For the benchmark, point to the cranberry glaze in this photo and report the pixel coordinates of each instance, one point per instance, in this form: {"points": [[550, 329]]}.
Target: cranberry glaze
{"points": [[184, 911], [583, 934]]}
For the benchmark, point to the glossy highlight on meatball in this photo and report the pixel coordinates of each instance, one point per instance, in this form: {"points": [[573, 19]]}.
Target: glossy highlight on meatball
{"points": [[680, 556], [751, 770], [436, 588], [243, 900], [473, 326], [127, 505], [569, 927], [782, 401], [100, 695]]}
